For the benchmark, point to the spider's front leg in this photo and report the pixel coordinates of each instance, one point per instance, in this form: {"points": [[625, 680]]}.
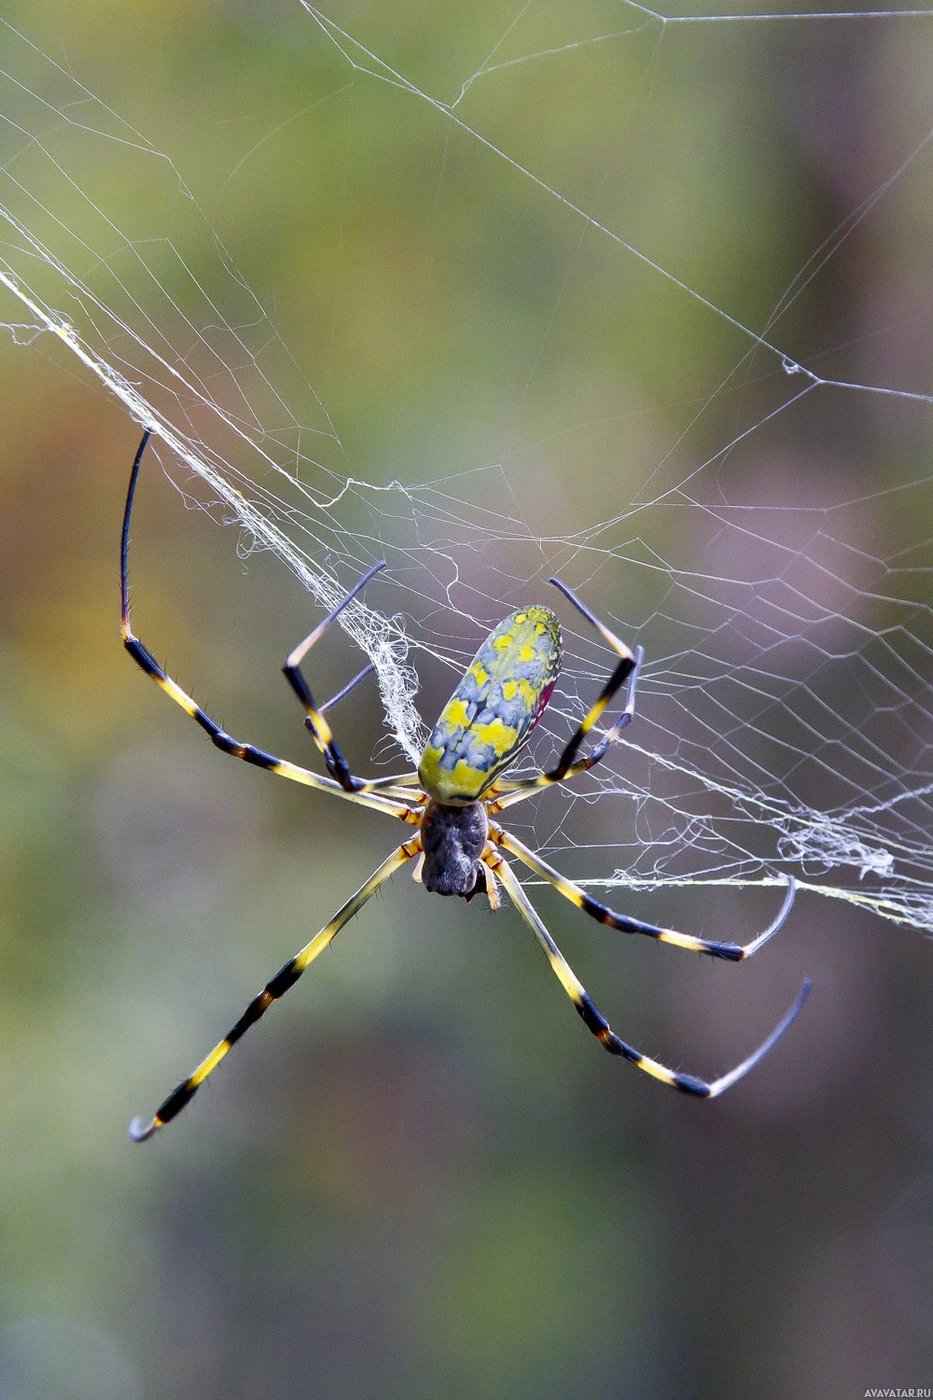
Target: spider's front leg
{"points": [[218, 736]]}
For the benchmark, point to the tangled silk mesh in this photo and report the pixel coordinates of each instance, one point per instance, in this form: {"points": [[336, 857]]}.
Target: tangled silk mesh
{"points": [[785, 706]]}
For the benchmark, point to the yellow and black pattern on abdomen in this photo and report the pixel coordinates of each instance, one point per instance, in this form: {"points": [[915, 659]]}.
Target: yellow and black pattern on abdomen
{"points": [[495, 708]]}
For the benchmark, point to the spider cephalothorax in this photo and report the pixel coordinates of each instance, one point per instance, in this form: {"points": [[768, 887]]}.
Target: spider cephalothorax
{"points": [[453, 840], [460, 785]]}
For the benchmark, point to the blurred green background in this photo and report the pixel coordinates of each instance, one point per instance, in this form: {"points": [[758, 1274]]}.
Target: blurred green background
{"points": [[419, 1177]]}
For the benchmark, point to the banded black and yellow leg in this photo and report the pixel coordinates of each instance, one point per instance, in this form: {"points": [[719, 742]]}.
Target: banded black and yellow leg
{"points": [[492, 888], [516, 790], [286, 977], [731, 952], [627, 664], [249, 753], [595, 1022], [568, 765], [347, 689], [318, 726], [398, 784]]}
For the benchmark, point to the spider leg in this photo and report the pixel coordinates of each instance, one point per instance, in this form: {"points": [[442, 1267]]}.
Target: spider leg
{"points": [[320, 730], [286, 977], [594, 1020], [732, 952], [568, 766], [399, 781], [492, 888], [350, 686], [386, 785], [218, 736], [627, 664]]}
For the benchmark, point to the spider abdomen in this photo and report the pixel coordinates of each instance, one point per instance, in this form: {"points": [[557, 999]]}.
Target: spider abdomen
{"points": [[453, 840], [495, 707]]}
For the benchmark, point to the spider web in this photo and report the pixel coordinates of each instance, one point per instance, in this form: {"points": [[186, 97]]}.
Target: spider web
{"points": [[735, 475]]}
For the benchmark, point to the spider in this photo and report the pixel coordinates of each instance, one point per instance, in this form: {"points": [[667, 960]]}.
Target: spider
{"points": [[452, 800]]}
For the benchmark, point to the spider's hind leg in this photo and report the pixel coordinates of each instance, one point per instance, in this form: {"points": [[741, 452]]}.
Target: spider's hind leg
{"points": [[731, 952], [596, 1022]]}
